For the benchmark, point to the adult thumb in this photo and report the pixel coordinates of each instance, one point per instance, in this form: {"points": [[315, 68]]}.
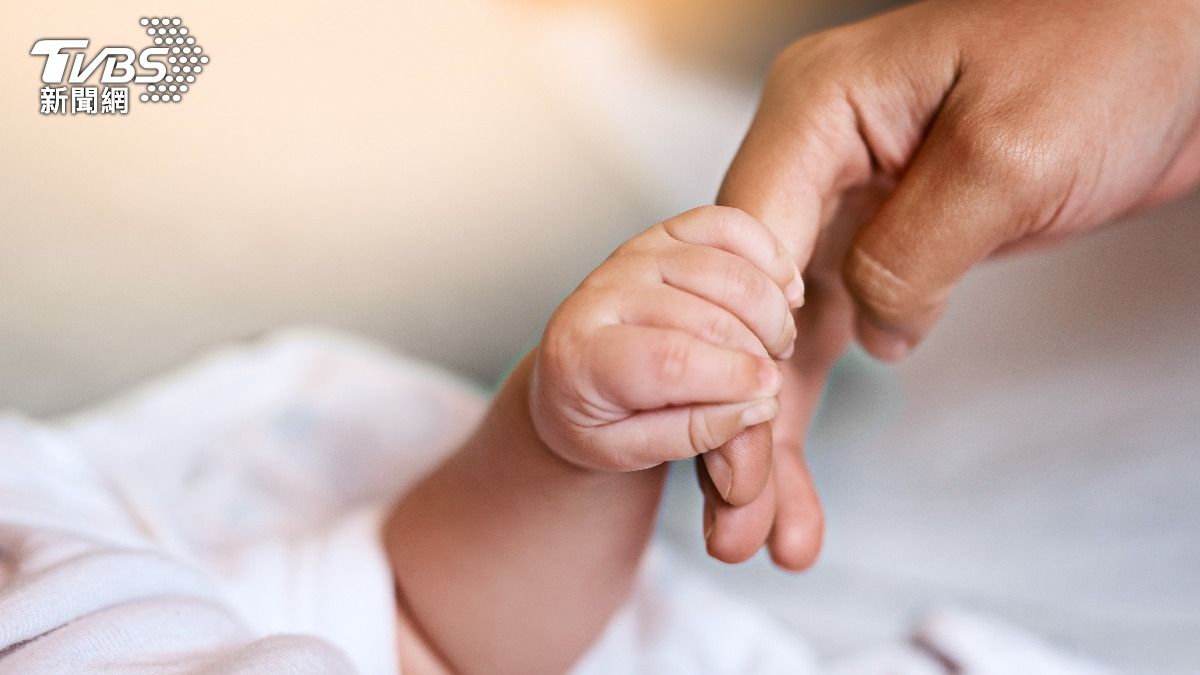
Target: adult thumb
{"points": [[970, 188]]}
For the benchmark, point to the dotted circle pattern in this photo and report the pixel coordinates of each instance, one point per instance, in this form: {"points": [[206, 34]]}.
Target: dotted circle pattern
{"points": [[185, 59]]}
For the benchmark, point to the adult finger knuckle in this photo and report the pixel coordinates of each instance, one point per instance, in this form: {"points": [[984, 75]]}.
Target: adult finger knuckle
{"points": [[1003, 152], [882, 290]]}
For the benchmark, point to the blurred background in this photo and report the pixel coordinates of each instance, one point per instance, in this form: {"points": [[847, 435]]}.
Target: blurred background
{"points": [[438, 175]]}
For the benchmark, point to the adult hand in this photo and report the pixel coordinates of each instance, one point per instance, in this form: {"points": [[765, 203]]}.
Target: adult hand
{"points": [[892, 155]]}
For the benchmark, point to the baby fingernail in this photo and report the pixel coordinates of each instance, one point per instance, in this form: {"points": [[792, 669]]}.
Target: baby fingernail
{"points": [[718, 471], [789, 337], [795, 292], [763, 411], [769, 377]]}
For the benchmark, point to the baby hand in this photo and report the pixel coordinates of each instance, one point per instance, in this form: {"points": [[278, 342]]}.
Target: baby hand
{"points": [[665, 351]]}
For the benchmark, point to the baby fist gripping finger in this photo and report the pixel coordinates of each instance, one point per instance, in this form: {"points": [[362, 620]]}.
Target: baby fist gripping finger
{"points": [[740, 472], [633, 397], [662, 352]]}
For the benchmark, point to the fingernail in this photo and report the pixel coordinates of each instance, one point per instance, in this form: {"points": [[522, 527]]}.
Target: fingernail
{"points": [[718, 471], [884, 344], [893, 348], [769, 377], [790, 340], [763, 411], [710, 520], [795, 291]]}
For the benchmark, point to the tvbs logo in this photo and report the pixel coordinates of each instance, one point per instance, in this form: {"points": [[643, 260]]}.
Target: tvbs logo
{"points": [[118, 63], [167, 68]]}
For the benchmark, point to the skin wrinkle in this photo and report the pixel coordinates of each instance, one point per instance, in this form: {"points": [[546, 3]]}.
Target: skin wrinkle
{"points": [[1175, 179], [864, 133], [700, 434], [1064, 202], [588, 407], [1032, 162], [822, 141], [886, 293], [889, 159]]}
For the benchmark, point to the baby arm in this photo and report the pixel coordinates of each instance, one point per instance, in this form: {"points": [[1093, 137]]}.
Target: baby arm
{"points": [[512, 556]]}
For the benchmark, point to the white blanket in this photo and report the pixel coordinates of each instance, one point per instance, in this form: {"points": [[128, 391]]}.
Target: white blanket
{"points": [[225, 520]]}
